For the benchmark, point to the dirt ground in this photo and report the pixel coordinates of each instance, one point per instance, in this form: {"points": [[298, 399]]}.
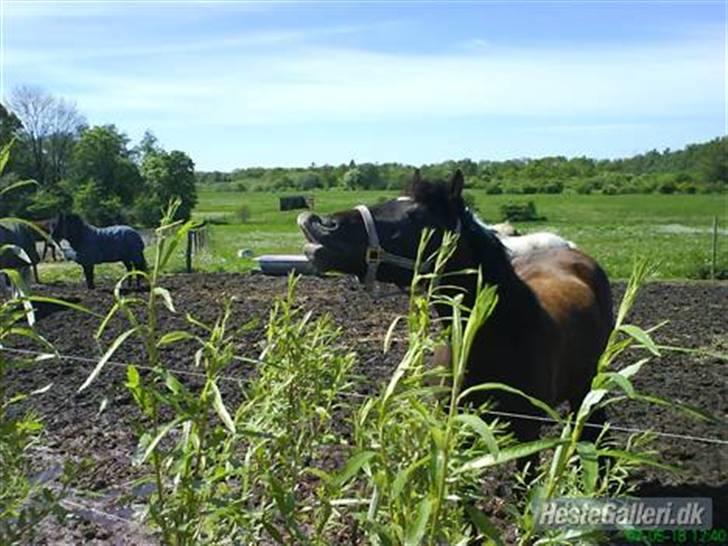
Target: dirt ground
{"points": [[96, 424]]}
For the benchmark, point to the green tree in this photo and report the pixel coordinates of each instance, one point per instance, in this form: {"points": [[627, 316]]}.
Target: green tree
{"points": [[10, 125], [102, 156], [170, 175]]}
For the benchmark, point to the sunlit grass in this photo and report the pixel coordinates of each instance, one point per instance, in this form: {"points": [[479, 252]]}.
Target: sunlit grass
{"points": [[613, 229]]}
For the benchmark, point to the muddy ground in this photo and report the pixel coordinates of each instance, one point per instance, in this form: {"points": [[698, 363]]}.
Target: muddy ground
{"points": [[95, 425]]}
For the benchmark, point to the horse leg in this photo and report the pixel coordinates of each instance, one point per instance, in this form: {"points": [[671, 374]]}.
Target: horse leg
{"points": [[88, 271], [129, 268], [141, 265], [35, 273]]}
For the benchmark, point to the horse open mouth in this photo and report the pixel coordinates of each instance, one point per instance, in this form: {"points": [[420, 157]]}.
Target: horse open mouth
{"points": [[318, 249]]}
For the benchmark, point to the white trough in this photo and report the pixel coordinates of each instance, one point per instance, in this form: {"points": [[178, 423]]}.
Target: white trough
{"points": [[283, 264]]}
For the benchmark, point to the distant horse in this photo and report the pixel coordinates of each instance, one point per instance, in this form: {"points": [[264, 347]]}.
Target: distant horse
{"points": [[23, 237], [553, 317], [94, 245], [46, 227]]}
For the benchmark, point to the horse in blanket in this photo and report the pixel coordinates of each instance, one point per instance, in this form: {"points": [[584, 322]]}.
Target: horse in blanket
{"points": [[94, 245]]}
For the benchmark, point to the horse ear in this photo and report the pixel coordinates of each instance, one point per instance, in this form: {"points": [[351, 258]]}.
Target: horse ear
{"points": [[456, 184]]}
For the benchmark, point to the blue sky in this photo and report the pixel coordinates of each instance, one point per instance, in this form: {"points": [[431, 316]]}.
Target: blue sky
{"points": [[290, 83]]}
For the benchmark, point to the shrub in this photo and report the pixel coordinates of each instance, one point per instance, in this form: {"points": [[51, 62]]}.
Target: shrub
{"points": [[243, 214], [469, 199], [520, 212]]}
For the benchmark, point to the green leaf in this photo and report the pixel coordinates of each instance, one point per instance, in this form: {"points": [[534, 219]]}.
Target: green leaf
{"points": [[403, 475], [390, 333], [166, 297], [416, 531], [589, 465], [5, 155], [507, 388], [352, 466], [636, 458], [158, 438], [693, 411], [642, 337], [621, 381], [174, 337], [592, 398], [510, 454], [633, 369], [484, 526], [480, 427], [221, 409], [107, 356]]}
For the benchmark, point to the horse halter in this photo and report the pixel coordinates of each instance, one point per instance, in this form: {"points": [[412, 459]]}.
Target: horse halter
{"points": [[376, 255]]}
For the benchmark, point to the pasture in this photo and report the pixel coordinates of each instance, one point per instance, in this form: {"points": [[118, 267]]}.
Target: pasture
{"points": [[103, 430], [671, 231]]}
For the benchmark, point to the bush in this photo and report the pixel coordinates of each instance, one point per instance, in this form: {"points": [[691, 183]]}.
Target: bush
{"points": [[469, 199], [96, 205], [243, 214], [520, 212], [493, 188], [147, 211]]}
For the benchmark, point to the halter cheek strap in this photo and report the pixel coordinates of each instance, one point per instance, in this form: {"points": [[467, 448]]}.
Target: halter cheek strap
{"points": [[376, 255]]}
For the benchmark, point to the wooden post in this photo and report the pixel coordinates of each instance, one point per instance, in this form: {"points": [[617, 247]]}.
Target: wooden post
{"points": [[713, 262], [188, 252]]}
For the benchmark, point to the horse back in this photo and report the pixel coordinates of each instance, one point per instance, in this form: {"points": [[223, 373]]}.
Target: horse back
{"points": [[574, 293]]}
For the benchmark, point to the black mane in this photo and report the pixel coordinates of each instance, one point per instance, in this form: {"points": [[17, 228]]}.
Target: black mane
{"points": [[487, 247]]}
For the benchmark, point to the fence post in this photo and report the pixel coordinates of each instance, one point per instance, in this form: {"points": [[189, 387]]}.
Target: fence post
{"points": [[188, 251], [714, 258]]}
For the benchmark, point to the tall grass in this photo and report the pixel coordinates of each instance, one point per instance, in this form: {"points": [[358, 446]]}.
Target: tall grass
{"points": [[276, 467], [24, 501]]}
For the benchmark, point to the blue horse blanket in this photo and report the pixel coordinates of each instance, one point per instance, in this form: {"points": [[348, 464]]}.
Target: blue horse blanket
{"points": [[110, 244]]}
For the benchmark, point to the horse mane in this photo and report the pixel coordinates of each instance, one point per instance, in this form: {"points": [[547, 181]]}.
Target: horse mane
{"points": [[488, 250]]}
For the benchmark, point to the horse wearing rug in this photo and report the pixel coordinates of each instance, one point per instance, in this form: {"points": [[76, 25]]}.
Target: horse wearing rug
{"points": [[554, 313], [94, 245]]}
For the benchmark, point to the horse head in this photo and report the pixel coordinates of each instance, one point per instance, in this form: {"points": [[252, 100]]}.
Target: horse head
{"points": [[384, 237], [68, 226]]}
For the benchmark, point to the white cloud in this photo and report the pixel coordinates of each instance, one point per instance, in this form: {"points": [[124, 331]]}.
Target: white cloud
{"points": [[242, 80]]}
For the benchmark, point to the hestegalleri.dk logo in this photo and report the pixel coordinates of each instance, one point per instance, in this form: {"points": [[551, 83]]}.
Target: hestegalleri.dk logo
{"points": [[612, 514]]}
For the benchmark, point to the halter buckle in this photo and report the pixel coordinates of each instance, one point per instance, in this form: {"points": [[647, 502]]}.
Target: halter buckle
{"points": [[373, 255]]}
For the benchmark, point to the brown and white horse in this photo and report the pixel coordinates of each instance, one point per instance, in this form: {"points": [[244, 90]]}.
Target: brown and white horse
{"points": [[554, 313]]}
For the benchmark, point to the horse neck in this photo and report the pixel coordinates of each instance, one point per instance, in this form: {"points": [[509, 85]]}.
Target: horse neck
{"points": [[516, 301], [82, 233]]}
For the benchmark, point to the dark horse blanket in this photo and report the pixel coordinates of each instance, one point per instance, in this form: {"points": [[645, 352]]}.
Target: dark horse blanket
{"points": [[109, 244], [94, 245]]}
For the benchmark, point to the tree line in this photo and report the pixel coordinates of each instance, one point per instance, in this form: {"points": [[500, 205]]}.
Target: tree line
{"points": [[698, 168], [92, 170]]}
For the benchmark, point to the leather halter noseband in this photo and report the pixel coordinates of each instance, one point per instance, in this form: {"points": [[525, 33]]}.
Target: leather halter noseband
{"points": [[376, 255]]}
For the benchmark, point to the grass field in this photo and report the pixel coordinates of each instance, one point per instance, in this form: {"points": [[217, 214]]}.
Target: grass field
{"points": [[673, 231]]}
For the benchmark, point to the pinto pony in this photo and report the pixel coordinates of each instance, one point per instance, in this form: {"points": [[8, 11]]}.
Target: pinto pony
{"points": [[94, 245], [554, 313]]}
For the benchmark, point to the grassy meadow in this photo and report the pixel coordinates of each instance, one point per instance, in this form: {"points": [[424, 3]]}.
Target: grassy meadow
{"points": [[673, 231]]}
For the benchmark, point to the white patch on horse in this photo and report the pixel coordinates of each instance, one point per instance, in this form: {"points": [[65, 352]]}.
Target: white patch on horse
{"points": [[519, 245], [542, 240]]}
